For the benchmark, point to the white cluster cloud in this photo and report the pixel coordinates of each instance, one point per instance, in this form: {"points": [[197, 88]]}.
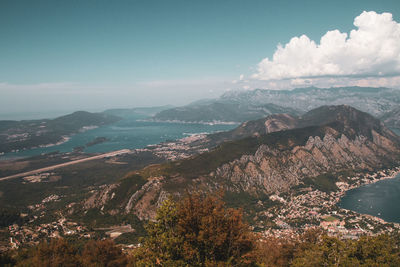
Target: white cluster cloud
{"points": [[371, 50]]}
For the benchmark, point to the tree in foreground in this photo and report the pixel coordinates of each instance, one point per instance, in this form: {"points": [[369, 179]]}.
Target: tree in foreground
{"points": [[103, 253], [197, 231], [381, 250], [60, 252], [57, 252]]}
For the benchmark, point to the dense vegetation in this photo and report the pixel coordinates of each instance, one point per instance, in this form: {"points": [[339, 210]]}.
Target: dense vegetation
{"points": [[197, 231], [201, 231]]}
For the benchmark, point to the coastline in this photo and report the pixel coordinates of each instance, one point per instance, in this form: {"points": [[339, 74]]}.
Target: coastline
{"points": [[63, 139], [314, 208], [393, 173], [343, 189], [215, 122]]}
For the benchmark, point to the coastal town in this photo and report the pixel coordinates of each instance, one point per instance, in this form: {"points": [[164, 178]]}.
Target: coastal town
{"points": [[200, 133], [32, 231], [180, 149], [314, 208], [292, 215]]}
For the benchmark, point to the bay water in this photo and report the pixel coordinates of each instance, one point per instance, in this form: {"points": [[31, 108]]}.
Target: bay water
{"points": [[381, 199], [131, 132]]}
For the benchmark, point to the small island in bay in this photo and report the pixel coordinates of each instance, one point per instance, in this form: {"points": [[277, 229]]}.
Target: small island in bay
{"points": [[96, 141]]}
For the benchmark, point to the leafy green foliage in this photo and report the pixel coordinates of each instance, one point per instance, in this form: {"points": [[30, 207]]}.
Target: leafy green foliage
{"points": [[200, 231], [197, 231], [367, 251], [314, 248], [324, 182]]}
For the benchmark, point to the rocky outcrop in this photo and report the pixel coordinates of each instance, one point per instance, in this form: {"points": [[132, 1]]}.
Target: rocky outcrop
{"points": [[273, 155], [351, 118], [99, 198], [279, 122], [270, 170], [145, 201]]}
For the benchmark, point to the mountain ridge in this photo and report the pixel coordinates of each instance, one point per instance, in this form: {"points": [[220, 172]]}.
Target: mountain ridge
{"points": [[392, 118], [328, 140], [374, 100], [220, 111]]}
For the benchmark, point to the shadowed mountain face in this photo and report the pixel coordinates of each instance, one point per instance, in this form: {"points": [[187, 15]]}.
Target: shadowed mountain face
{"points": [[350, 117], [266, 156]]}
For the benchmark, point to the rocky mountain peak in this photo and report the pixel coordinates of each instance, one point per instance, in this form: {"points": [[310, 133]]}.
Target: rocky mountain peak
{"points": [[274, 154]]}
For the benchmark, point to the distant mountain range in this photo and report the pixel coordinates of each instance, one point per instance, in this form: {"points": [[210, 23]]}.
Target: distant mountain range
{"points": [[221, 111], [143, 111], [262, 157], [17, 135], [232, 107], [392, 118], [240, 106]]}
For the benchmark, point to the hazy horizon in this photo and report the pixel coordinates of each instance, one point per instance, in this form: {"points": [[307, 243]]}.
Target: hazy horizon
{"points": [[63, 56]]}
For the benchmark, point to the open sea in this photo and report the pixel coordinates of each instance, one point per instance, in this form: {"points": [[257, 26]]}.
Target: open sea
{"points": [[130, 132]]}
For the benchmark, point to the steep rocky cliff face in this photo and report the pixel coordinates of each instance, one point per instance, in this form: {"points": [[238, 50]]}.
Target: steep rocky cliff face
{"points": [[272, 123], [274, 154], [349, 116], [339, 138], [275, 170]]}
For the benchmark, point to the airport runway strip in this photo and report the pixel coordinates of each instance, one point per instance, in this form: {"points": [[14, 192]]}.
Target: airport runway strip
{"points": [[45, 169]]}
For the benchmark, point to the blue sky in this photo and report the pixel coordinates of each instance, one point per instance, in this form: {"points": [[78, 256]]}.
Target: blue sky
{"points": [[66, 55]]}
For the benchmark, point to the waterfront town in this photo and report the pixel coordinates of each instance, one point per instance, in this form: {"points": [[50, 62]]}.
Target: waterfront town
{"points": [[313, 208], [292, 214]]}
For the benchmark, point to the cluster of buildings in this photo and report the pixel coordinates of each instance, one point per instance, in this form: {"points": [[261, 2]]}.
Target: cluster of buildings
{"points": [[291, 213], [31, 235], [311, 208], [179, 149]]}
